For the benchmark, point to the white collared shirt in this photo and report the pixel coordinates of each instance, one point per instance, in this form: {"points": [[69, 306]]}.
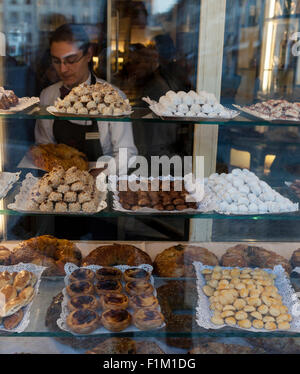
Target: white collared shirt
{"points": [[113, 135]]}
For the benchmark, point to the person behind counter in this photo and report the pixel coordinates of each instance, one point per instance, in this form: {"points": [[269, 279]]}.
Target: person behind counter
{"points": [[71, 56]]}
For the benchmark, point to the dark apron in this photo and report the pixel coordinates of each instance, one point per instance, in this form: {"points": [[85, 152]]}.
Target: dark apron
{"points": [[81, 137]]}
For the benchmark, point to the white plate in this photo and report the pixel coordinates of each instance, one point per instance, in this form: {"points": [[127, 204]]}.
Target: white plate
{"points": [[24, 103]]}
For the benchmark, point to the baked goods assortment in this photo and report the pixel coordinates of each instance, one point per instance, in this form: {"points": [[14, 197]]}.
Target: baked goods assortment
{"points": [[245, 298], [117, 254], [112, 304], [242, 192], [165, 198], [243, 255], [49, 156], [48, 251], [17, 290], [62, 191], [8, 98], [274, 110], [95, 99], [177, 261], [190, 105]]}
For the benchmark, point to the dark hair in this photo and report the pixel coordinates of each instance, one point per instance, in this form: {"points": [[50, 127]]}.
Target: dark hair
{"points": [[71, 33]]}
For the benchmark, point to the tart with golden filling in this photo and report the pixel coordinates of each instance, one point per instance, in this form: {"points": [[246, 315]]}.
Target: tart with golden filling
{"points": [[114, 301], [83, 302], [116, 319], [147, 319], [80, 288], [109, 273], [136, 274], [83, 321], [104, 286], [143, 301], [82, 274], [139, 287]]}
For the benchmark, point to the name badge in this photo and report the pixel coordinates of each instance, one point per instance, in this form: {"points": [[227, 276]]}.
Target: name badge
{"points": [[92, 135]]}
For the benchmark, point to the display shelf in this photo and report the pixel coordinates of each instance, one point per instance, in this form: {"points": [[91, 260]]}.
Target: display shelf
{"points": [[146, 116], [110, 212], [49, 288]]}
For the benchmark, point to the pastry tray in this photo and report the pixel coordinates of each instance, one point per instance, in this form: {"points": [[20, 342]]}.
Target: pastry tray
{"points": [[37, 270], [265, 117], [69, 268], [22, 197], [283, 284], [24, 103], [52, 110], [204, 203]]}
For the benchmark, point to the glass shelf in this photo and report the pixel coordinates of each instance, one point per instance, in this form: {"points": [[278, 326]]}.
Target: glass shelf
{"points": [[50, 288], [145, 115]]}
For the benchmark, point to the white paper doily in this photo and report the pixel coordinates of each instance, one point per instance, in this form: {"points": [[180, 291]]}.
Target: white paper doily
{"points": [[69, 268], [285, 289], [37, 270], [22, 199], [204, 204]]}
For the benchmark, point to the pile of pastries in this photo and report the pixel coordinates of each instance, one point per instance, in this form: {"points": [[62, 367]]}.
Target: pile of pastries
{"points": [[190, 104], [73, 190], [245, 297], [48, 156], [16, 292], [242, 192], [166, 198], [277, 109], [111, 299], [8, 98], [94, 99], [44, 250]]}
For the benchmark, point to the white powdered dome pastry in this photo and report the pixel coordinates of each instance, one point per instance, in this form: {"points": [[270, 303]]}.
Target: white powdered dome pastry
{"points": [[67, 191], [95, 99], [190, 104], [242, 192]]}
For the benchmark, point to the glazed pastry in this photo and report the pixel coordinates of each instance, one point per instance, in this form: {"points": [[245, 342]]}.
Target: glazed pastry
{"points": [[136, 274], [83, 302], [80, 288], [27, 295], [22, 279], [114, 301], [82, 274], [83, 321], [109, 272], [11, 307], [7, 293], [147, 319], [5, 256], [5, 278], [116, 320], [12, 321], [143, 301], [117, 254], [139, 288], [104, 286]]}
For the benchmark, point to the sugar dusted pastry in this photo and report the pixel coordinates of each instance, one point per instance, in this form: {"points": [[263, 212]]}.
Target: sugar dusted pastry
{"points": [[83, 110], [74, 207], [70, 197], [46, 206], [61, 206]]}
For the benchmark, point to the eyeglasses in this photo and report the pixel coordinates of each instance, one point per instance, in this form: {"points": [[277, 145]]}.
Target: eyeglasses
{"points": [[69, 60]]}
